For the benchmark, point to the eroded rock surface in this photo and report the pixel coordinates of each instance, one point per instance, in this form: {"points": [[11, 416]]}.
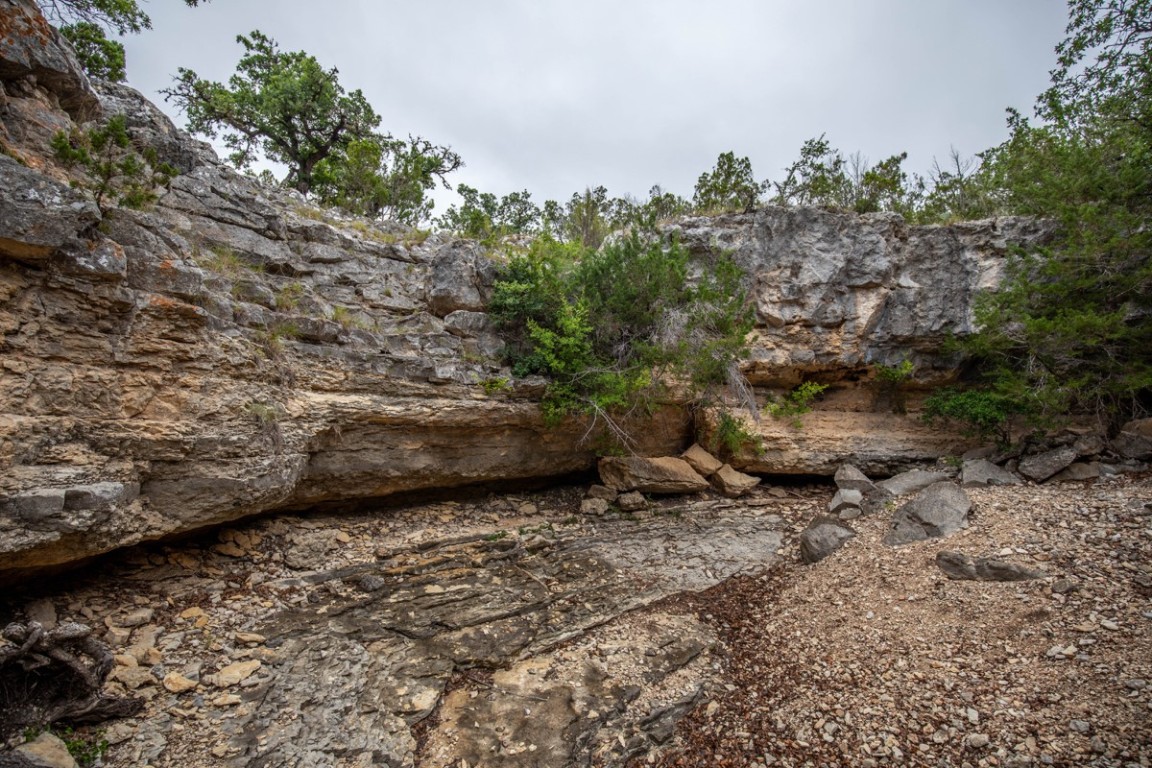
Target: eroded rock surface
{"points": [[234, 350], [425, 635]]}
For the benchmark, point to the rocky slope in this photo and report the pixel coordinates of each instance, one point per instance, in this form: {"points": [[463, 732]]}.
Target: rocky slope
{"points": [[233, 350]]}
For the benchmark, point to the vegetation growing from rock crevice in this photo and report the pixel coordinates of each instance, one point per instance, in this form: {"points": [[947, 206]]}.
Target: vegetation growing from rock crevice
{"points": [[796, 403], [981, 413], [112, 168], [613, 328]]}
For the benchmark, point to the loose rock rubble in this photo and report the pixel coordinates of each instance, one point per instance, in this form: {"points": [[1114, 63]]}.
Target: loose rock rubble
{"points": [[875, 657], [513, 631]]}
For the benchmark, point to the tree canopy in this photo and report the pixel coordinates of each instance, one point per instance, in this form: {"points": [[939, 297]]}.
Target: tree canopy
{"points": [[282, 105], [1071, 328], [85, 24], [379, 176]]}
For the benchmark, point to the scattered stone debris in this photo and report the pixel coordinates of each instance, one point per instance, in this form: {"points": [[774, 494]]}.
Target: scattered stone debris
{"points": [[878, 658], [514, 623]]}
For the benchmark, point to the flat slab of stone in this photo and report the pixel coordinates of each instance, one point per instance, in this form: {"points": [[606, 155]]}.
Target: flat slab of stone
{"points": [[910, 482], [733, 483], [663, 475], [936, 511], [1042, 466], [702, 461], [957, 565], [1079, 470], [979, 473]]}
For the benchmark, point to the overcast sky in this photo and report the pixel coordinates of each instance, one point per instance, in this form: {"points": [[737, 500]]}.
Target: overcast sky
{"points": [[556, 96]]}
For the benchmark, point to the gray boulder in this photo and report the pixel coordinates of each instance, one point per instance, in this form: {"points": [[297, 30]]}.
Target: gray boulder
{"points": [[1079, 470], [936, 511], [823, 536], [981, 472], [957, 565], [1041, 466], [848, 478], [910, 482], [845, 499], [1134, 440]]}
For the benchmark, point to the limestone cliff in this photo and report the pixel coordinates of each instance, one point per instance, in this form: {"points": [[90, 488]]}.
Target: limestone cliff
{"points": [[234, 350]]}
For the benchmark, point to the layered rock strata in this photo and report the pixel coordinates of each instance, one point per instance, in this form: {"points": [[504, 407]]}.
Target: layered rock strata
{"points": [[234, 350]]}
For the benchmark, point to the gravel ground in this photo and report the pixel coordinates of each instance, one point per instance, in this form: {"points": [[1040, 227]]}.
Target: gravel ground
{"points": [[869, 657], [874, 657]]}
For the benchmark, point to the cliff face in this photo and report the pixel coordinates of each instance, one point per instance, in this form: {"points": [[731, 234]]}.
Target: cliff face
{"points": [[233, 350]]}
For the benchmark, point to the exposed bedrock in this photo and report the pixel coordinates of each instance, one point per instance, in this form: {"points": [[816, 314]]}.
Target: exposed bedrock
{"points": [[234, 350]]}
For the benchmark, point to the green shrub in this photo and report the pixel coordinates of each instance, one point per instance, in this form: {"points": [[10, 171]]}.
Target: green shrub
{"points": [[981, 412], [494, 385], [731, 437], [608, 327], [263, 412], [796, 403], [115, 172], [890, 381]]}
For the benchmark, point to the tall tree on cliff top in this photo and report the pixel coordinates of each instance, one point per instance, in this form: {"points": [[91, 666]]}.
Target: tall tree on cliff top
{"points": [[85, 23], [283, 105], [1071, 328]]}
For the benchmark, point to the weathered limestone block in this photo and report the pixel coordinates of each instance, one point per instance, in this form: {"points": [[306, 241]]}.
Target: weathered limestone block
{"points": [[662, 475], [732, 483], [33, 47], [981, 472], [703, 462], [39, 215], [876, 443], [1042, 466]]}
